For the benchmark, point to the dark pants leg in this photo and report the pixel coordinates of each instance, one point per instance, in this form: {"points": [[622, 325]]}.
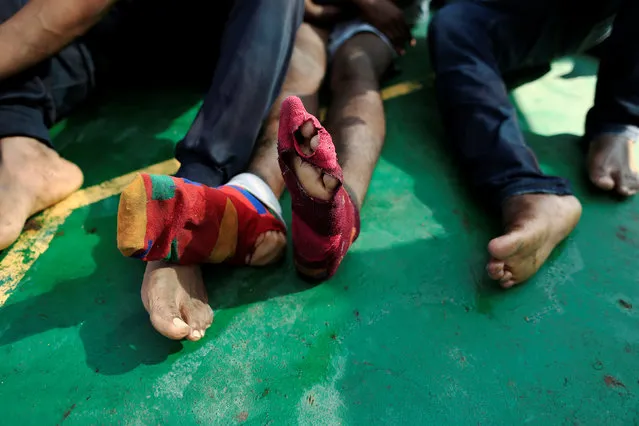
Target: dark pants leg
{"points": [[472, 43], [33, 100], [249, 52], [256, 47], [616, 108]]}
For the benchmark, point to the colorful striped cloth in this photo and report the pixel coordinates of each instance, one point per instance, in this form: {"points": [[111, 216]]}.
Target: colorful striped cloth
{"points": [[180, 221]]}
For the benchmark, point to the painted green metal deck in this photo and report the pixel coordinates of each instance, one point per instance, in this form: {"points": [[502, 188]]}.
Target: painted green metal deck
{"points": [[410, 332]]}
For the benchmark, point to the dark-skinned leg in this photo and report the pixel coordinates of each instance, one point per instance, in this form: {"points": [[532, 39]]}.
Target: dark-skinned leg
{"points": [[304, 77], [221, 140], [356, 122]]}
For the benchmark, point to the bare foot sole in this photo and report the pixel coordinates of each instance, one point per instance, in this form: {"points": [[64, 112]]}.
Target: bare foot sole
{"points": [[32, 178], [535, 224], [611, 164]]}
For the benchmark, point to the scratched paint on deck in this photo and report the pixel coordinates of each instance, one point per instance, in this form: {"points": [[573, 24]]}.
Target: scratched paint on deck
{"points": [[408, 332]]}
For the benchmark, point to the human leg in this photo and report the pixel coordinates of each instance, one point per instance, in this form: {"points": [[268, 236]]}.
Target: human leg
{"points": [[327, 196], [32, 175], [612, 127], [185, 222], [304, 77], [471, 44], [175, 286], [256, 47], [166, 203], [356, 115]]}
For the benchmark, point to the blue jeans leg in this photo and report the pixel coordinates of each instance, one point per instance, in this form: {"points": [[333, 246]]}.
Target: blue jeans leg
{"points": [[471, 44], [256, 48]]}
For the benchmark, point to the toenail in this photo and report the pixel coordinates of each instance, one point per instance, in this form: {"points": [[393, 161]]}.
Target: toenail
{"points": [[494, 268], [179, 323]]}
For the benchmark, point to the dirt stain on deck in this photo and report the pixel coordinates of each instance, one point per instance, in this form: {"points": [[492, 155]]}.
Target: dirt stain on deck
{"points": [[625, 304], [68, 412], [613, 382]]}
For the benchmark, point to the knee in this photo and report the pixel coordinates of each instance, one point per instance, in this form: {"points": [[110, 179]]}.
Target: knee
{"points": [[307, 65], [458, 33], [352, 67], [451, 23], [448, 22]]}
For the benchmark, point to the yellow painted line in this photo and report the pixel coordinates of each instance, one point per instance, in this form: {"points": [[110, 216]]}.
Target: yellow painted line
{"points": [[400, 89], [35, 239]]}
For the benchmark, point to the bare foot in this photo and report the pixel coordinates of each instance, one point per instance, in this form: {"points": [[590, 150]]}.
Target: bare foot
{"points": [[611, 164], [535, 224], [32, 178], [316, 183], [176, 300], [175, 296]]}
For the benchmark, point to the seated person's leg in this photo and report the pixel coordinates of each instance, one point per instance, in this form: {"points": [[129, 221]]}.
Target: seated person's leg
{"points": [[304, 77], [184, 217], [327, 198], [221, 140], [32, 175], [256, 47], [612, 127], [470, 45]]}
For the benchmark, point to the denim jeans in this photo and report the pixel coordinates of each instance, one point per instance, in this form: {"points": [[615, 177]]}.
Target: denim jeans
{"points": [[246, 45], [473, 42]]}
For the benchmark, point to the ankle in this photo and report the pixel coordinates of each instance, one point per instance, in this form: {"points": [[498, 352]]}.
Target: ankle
{"points": [[357, 201], [273, 180], [16, 149]]}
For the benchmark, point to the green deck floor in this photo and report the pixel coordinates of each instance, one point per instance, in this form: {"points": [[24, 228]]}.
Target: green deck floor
{"points": [[410, 332]]}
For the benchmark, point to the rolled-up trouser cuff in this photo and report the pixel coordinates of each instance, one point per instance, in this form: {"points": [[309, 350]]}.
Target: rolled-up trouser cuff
{"points": [[627, 131], [549, 185], [20, 120]]}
